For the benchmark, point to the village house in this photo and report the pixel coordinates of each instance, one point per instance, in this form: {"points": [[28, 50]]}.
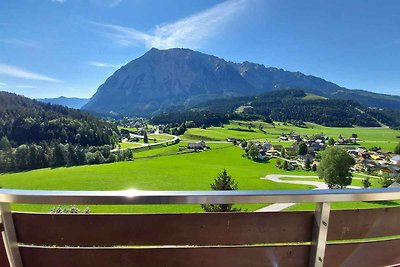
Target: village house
{"points": [[304, 158], [390, 169], [266, 146], [395, 160], [283, 138], [368, 165], [295, 137], [277, 148], [200, 145]]}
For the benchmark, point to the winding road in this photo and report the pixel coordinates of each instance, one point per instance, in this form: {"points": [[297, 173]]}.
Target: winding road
{"points": [[277, 178]]}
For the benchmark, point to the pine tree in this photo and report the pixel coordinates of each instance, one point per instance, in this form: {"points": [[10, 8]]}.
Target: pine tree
{"points": [[331, 141], [222, 182], [145, 138], [307, 164], [302, 149], [5, 144], [397, 149]]}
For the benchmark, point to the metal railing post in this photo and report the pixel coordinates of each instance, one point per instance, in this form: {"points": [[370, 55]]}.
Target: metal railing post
{"points": [[10, 237], [320, 233]]}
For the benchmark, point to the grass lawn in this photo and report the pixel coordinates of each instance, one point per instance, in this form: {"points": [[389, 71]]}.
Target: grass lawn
{"points": [[383, 137], [161, 137], [124, 145], [154, 169], [375, 182], [170, 168]]}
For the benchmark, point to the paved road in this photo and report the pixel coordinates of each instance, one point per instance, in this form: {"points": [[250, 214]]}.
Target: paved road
{"points": [[173, 140], [277, 178]]}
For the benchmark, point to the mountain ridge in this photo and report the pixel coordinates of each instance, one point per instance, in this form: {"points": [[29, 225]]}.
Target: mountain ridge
{"points": [[161, 79], [71, 102]]}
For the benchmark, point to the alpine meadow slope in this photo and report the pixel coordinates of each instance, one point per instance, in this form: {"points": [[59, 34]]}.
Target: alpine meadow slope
{"points": [[163, 79]]}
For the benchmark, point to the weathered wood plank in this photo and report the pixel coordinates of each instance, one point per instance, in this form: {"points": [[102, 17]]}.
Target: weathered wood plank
{"points": [[163, 229], [364, 223], [165, 257], [370, 254]]}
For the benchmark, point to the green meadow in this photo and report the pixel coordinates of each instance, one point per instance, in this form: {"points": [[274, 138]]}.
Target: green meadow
{"points": [[383, 137], [173, 168]]}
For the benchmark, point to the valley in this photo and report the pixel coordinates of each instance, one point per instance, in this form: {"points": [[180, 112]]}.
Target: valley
{"points": [[174, 168]]}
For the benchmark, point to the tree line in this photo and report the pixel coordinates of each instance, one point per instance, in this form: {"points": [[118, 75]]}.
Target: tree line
{"points": [[38, 135], [291, 105], [25, 121], [43, 155]]}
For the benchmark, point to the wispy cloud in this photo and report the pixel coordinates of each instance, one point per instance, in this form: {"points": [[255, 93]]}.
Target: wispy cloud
{"points": [[103, 65], [115, 3], [190, 32], [16, 72], [25, 86], [2, 85], [58, 1], [20, 42]]}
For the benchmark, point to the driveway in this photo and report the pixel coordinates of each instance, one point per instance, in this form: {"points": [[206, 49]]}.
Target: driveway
{"points": [[277, 178]]}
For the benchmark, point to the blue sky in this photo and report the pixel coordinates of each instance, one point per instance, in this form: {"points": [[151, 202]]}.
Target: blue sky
{"points": [[50, 48]]}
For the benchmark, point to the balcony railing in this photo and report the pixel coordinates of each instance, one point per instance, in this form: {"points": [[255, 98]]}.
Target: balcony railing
{"points": [[322, 198]]}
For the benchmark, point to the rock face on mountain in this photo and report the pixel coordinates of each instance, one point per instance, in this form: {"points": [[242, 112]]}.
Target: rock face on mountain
{"points": [[162, 79]]}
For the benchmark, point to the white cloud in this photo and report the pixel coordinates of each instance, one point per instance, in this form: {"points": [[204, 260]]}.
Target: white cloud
{"points": [[103, 65], [58, 1], [190, 32], [115, 3], [20, 42], [16, 72], [25, 86], [2, 85]]}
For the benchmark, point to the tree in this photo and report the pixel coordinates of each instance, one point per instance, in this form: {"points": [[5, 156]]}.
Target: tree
{"points": [[222, 182], [354, 135], [22, 159], [5, 144], [302, 149], [366, 182], [335, 166], [278, 163], [283, 152], [397, 149], [285, 165], [60, 156], [331, 141], [253, 152], [307, 164], [314, 167], [145, 138]]}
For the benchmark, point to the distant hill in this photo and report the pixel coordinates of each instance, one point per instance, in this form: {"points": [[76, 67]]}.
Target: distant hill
{"points": [[24, 121], [162, 79], [71, 102], [284, 105]]}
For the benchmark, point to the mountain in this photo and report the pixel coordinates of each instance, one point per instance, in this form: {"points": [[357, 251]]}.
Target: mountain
{"points": [[25, 121], [164, 79], [71, 102]]}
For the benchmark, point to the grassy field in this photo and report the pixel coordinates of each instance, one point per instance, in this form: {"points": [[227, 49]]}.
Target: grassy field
{"points": [[124, 145], [173, 168], [166, 168], [382, 137]]}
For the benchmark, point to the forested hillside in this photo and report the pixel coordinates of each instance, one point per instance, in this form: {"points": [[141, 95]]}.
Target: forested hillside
{"points": [[37, 135], [287, 105], [23, 120]]}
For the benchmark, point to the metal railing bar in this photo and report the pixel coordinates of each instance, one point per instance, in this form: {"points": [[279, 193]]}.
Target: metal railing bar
{"points": [[195, 197], [10, 237]]}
